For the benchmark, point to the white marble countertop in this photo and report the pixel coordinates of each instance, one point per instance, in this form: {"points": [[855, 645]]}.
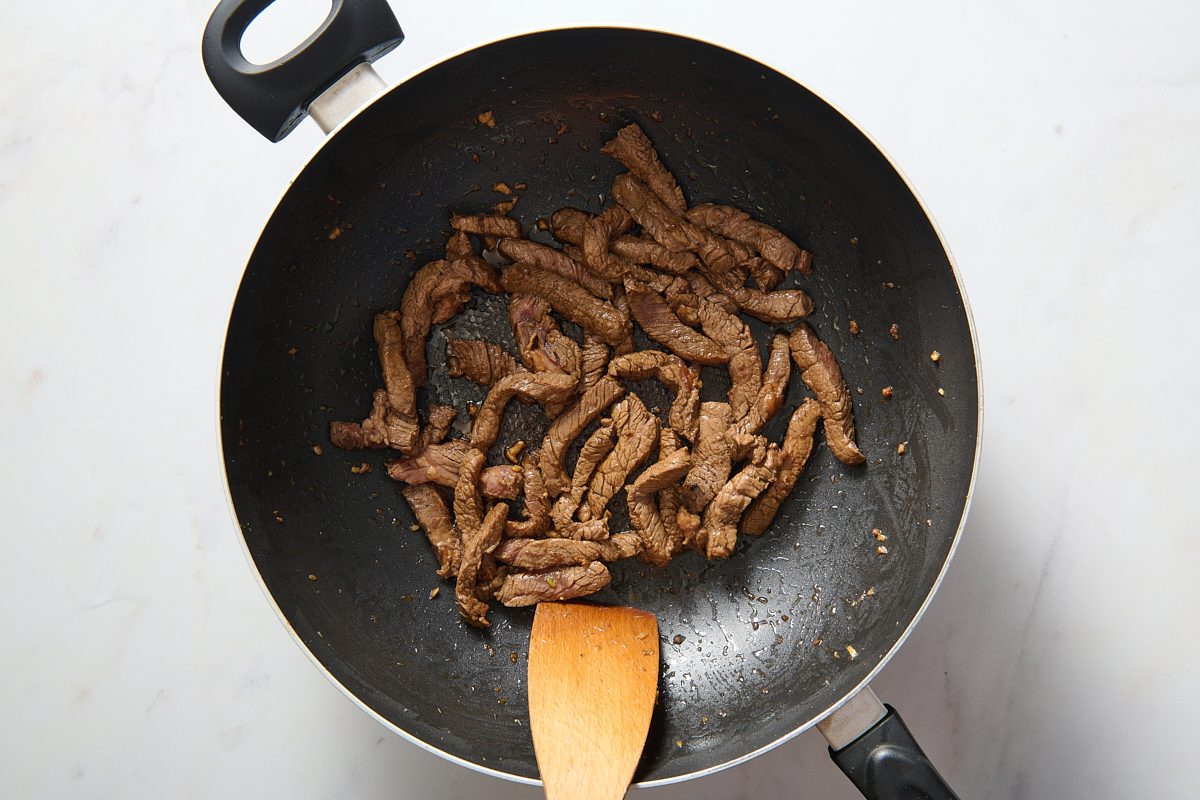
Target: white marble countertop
{"points": [[1057, 147]]}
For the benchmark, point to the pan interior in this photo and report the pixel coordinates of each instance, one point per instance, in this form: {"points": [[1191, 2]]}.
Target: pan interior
{"points": [[753, 647]]}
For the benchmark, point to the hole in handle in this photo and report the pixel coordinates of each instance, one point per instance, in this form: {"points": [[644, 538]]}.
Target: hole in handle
{"points": [[281, 27]]}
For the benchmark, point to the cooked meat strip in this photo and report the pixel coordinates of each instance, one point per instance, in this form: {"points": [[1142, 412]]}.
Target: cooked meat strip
{"points": [[591, 453], [795, 450], [599, 231], [476, 543], [537, 504], [565, 352], [721, 517], [778, 308], [381, 429], [684, 415], [711, 459], [567, 225], [670, 498], [563, 583], [774, 387], [349, 435], [495, 225], [468, 505], [546, 553], [745, 363], [683, 301], [660, 324], [548, 258], [570, 300], [704, 290], [666, 227], [433, 516], [428, 292], [442, 464], [593, 359], [632, 148], [746, 445], [689, 525], [543, 387], [479, 361], [593, 530], [490, 579], [529, 316], [398, 381], [569, 425], [647, 251], [766, 275], [643, 507], [437, 425], [736, 224], [637, 435], [821, 374], [621, 303], [459, 246]]}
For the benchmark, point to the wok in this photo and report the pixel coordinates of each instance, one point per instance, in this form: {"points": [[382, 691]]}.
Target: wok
{"points": [[755, 648]]}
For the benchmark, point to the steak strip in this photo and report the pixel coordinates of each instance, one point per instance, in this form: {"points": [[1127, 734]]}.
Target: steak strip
{"points": [[479, 361], [442, 464], [569, 425], [543, 387], [537, 504], [821, 374], [591, 453], [632, 148], [660, 324], [431, 513], [496, 225], [380, 429], [564, 583], [644, 513], [637, 435], [773, 389], [711, 459], [683, 381], [745, 363], [439, 288], [536, 554], [670, 499], [721, 517], [401, 417], [556, 261], [598, 232], [570, 300], [795, 450], [736, 224], [593, 359]]}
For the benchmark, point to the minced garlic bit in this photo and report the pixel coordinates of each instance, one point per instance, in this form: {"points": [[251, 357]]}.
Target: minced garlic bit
{"points": [[935, 356], [486, 118], [854, 327], [514, 451], [679, 742], [894, 331], [434, 592], [361, 469], [335, 233], [414, 527], [887, 392], [850, 651], [472, 410], [318, 450], [881, 550], [550, 582], [542, 224], [312, 577], [871, 592], [879, 535], [501, 187], [902, 448], [941, 392]]}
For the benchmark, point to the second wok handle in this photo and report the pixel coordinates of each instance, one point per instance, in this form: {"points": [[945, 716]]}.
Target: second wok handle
{"points": [[884, 761]]}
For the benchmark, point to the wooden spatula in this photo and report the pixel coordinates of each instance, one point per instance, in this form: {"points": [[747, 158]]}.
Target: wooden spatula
{"points": [[593, 675]]}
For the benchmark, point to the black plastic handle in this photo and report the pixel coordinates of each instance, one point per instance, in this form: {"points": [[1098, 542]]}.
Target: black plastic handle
{"points": [[274, 97], [886, 763]]}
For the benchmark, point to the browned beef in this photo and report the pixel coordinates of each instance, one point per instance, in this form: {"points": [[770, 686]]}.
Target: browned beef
{"points": [[562, 583], [442, 463], [537, 504], [794, 452], [774, 387], [591, 453], [670, 499], [644, 509], [556, 261], [647, 251], [490, 579], [745, 363], [570, 300], [569, 425], [637, 435], [459, 246], [721, 517], [437, 425], [665, 226], [476, 542], [711, 458], [542, 387], [593, 359], [632, 148], [479, 361], [689, 527], [529, 316], [821, 374], [433, 516], [746, 445], [704, 290], [502, 481], [468, 505], [495, 225], [684, 381], [400, 419], [781, 307], [537, 554], [435, 287], [764, 273], [772, 245], [380, 429], [567, 225], [621, 304], [593, 530], [599, 231], [683, 301], [660, 324]]}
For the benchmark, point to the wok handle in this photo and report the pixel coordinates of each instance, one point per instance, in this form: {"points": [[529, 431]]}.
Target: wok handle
{"points": [[886, 763], [274, 97]]}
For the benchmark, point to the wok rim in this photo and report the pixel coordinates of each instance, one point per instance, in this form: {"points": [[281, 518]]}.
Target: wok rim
{"points": [[801, 728]]}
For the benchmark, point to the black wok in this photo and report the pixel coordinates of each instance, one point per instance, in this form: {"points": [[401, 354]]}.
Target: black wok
{"points": [[755, 648]]}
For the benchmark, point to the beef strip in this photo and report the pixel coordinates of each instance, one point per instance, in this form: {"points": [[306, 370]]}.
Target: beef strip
{"points": [[401, 417], [535, 554], [683, 381], [468, 505], [459, 246], [490, 579], [720, 520], [689, 526], [569, 425], [593, 530], [529, 316], [570, 300], [683, 302], [766, 275], [591, 453], [543, 387], [599, 231], [670, 498], [433, 516], [795, 450], [772, 245], [434, 288], [476, 544], [643, 506], [704, 290], [442, 464], [778, 308], [660, 324], [621, 304], [663, 225], [437, 425], [556, 261], [637, 250], [495, 225], [381, 429], [567, 225], [537, 504], [637, 435], [564, 583], [773, 389], [821, 374], [593, 359], [745, 363], [479, 361], [711, 459], [632, 148]]}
